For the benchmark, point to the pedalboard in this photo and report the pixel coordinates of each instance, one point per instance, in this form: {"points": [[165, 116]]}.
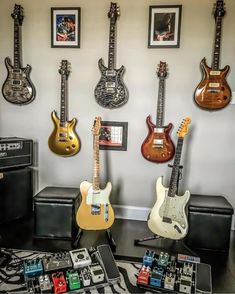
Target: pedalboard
{"points": [[169, 274], [80, 258]]}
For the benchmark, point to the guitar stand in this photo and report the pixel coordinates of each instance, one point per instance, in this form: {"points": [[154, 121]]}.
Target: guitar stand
{"points": [[137, 242], [108, 234]]}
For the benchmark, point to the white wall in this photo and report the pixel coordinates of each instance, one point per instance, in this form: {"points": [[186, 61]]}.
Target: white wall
{"points": [[208, 153]]}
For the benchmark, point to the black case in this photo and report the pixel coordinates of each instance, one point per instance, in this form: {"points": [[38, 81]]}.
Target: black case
{"points": [[54, 213], [16, 194]]}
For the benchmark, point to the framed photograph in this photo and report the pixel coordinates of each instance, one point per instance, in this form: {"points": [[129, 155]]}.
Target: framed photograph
{"points": [[164, 26], [113, 135], [65, 27]]}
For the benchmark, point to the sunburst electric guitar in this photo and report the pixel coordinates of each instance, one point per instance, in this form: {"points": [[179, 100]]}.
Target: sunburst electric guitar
{"points": [[213, 92], [95, 211], [168, 217], [111, 91], [64, 140], [18, 87], [158, 146]]}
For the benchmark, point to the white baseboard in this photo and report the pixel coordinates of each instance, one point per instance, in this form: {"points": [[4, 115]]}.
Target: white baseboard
{"points": [[131, 212]]}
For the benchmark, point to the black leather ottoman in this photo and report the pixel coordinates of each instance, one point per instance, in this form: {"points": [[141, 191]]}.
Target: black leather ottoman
{"points": [[54, 213], [210, 220]]}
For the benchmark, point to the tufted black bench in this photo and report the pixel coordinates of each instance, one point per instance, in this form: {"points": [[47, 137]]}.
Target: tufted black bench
{"points": [[210, 220]]}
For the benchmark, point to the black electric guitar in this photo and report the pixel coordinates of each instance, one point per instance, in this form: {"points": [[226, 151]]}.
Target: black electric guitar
{"points": [[18, 88], [213, 92], [111, 92]]}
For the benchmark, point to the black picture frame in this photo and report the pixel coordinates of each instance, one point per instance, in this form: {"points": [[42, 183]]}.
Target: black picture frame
{"points": [[113, 135], [164, 26], [65, 27]]}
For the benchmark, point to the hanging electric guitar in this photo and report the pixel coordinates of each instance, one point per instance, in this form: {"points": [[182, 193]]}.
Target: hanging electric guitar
{"points": [[168, 218], [111, 92], [18, 88], [213, 92], [64, 140], [95, 211], [158, 146]]}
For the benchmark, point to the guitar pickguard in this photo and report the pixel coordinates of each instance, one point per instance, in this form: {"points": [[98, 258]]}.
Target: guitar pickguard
{"points": [[18, 88], [111, 92]]}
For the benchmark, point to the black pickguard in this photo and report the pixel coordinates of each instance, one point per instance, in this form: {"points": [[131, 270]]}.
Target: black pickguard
{"points": [[111, 92]]}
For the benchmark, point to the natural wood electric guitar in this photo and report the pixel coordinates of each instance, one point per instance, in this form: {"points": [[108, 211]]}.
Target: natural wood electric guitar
{"points": [[168, 217], [64, 140], [213, 92], [95, 211], [18, 87], [158, 146], [111, 91]]}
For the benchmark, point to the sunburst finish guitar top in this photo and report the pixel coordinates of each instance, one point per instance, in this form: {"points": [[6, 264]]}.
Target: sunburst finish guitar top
{"points": [[213, 92], [64, 140], [158, 146], [95, 211], [18, 87], [168, 217]]}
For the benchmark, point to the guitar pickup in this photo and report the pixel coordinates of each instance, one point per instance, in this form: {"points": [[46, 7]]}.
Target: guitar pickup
{"points": [[63, 135], [16, 82], [110, 73], [177, 229], [16, 70], [166, 219], [110, 90], [158, 143], [214, 91], [110, 84]]}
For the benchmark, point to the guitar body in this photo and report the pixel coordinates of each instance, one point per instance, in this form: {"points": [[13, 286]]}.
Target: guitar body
{"points": [[102, 219], [63, 140], [168, 217], [111, 92], [18, 88], [213, 92], [158, 146]]}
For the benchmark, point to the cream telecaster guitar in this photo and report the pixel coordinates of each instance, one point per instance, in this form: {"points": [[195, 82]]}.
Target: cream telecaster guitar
{"points": [[95, 211], [168, 218]]}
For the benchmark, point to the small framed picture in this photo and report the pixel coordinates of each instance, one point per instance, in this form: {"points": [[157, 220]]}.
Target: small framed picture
{"points": [[113, 135], [164, 26], [65, 27]]}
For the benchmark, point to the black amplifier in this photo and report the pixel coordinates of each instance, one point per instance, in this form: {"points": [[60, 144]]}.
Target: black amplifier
{"points": [[15, 152]]}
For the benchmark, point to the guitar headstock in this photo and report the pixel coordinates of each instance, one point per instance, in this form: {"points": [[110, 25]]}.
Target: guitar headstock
{"points": [[114, 11], [64, 68], [183, 129], [162, 70], [18, 13], [219, 9], [97, 126]]}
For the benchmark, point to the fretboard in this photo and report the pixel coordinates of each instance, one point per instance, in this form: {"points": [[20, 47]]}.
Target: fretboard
{"points": [[112, 42], [17, 44], [175, 170], [96, 163], [160, 103], [64, 99], [216, 54]]}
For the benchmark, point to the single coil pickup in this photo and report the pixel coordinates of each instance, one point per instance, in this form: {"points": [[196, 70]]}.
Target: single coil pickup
{"points": [[177, 229], [166, 219]]}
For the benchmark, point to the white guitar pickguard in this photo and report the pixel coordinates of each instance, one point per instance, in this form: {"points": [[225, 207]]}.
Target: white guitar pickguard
{"points": [[100, 196]]}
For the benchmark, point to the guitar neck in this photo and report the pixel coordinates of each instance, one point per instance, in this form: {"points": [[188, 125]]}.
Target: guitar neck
{"points": [[64, 99], [17, 44], [112, 43], [217, 42], [175, 170], [160, 103], [96, 163]]}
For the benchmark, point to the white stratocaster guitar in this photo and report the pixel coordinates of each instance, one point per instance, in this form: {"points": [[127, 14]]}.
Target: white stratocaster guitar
{"points": [[168, 217], [95, 211]]}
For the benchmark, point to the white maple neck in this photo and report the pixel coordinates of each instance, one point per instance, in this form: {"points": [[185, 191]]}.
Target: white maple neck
{"points": [[96, 163]]}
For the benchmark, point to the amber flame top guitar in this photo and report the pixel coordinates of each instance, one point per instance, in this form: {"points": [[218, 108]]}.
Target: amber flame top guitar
{"points": [[158, 146], [64, 140], [213, 92], [18, 88], [168, 218], [111, 92], [95, 211]]}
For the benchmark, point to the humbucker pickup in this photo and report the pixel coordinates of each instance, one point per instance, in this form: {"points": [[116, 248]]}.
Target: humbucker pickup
{"points": [[110, 90], [16, 82], [110, 84], [158, 143], [16, 70], [110, 73]]}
